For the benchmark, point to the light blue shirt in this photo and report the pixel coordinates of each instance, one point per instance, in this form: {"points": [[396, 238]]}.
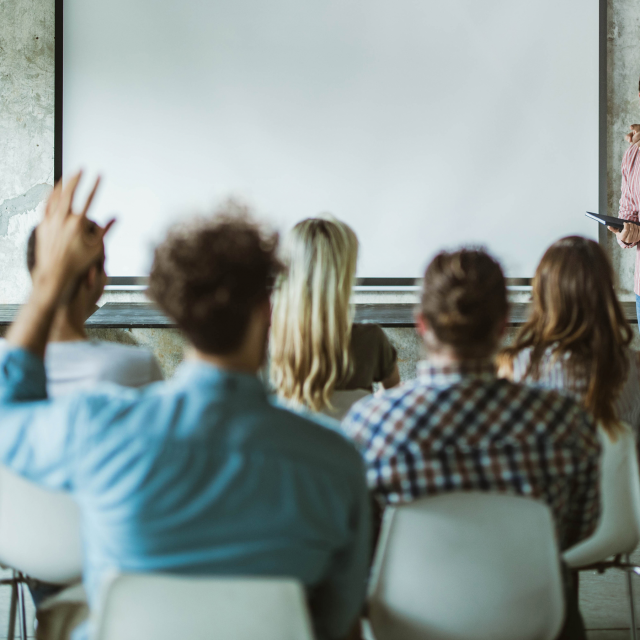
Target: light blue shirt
{"points": [[197, 475]]}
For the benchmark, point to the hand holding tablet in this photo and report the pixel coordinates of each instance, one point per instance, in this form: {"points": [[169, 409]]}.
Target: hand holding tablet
{"points": [[628, 231]]}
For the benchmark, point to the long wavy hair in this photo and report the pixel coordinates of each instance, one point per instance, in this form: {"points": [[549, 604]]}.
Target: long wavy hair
{"points": [[576, 315], [312, 316]]}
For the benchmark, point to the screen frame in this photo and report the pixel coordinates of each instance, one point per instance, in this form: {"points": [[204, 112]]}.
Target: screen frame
{"points": [[370, 283]]}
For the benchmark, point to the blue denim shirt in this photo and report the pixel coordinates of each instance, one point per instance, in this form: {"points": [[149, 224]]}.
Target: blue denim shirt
{"points": [[198, 475]]}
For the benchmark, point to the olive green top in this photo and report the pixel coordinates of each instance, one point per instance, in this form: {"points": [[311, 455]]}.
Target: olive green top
{"points": [[374, 357]]}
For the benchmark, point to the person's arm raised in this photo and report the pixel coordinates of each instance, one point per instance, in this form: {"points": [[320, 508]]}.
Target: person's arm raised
{"points": [[66, 246]]}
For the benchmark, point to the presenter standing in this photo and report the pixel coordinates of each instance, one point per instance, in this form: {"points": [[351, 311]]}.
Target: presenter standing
{"points": [[629, 237]]}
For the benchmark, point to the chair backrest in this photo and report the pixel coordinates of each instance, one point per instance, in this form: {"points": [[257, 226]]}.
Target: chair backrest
{"points": [[166, 607], [467, 566], [618, 529], [342, 401], [39, 531]]}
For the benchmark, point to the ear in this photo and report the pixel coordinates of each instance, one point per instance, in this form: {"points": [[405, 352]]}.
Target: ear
{"points": [[422, 326], [91, 276]]}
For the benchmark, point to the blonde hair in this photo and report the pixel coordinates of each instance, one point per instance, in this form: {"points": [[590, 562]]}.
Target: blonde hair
{"points": [[312, 316]]}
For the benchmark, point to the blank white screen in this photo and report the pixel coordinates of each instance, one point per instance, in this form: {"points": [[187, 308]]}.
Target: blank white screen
{"points": [[423, 124]]}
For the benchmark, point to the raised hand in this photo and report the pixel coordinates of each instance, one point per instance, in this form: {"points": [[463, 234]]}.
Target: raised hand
{"points": [[67, 242], [66, 245]]}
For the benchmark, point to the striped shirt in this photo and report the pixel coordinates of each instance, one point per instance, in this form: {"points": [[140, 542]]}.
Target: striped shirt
{"points": [[630, 201], [460, 428], [553, 374]]}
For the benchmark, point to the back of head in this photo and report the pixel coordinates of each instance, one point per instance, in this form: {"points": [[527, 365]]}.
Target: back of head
{"points": [[311, 324], [576, 312], [464, 301], [210, 274], [31, 258]]}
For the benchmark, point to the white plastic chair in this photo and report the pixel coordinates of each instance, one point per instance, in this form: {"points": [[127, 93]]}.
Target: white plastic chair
{"points": [[467, 566], [618, 531], [165, 607], [342, 401], [39, 538]]}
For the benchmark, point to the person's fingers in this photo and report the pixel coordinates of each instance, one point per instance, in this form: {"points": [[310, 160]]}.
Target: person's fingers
{"points": [[635, 127], [90, 198], [108, 226], [66, 198], [613, 230], [52, 202]]}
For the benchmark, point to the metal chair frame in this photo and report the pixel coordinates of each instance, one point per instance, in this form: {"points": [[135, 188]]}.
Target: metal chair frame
{"points": [[17, 605]]}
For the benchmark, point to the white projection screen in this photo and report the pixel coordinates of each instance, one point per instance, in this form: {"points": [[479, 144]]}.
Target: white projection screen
{"points": [[423, 124]]}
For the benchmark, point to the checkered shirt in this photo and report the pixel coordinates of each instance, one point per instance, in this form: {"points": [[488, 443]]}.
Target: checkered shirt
{"points": [[462, 428]]}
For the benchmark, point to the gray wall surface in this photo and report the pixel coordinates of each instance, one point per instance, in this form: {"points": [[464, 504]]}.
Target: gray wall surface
{"points": [[26, 153], [623, 109], [26, 132]]}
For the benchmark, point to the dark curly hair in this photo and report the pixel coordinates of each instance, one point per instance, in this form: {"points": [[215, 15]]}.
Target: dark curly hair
{"points": [[210, 273], [464, 300]]}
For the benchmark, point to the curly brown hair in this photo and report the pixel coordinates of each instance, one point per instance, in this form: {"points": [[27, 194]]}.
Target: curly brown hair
{"points": [[464, 300], [210, 273]]}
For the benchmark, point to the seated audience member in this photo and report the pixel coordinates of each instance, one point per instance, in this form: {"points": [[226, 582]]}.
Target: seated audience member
{"points": [[457, 427], [577, 338], [200, 474], [75, 362], [316, 348]]}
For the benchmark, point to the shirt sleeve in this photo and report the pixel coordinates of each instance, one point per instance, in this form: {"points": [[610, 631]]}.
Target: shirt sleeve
{"points": [[628, 201], [584, 509], [36, 434], [338, 604], [387, 357]]}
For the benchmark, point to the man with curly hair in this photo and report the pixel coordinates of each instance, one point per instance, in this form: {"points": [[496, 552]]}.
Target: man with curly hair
{"points": [[201, 474]]}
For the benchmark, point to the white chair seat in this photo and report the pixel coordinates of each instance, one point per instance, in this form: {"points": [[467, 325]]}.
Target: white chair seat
{"points": [[618, 530], [39, 531], [164, 607], [467, 566]]}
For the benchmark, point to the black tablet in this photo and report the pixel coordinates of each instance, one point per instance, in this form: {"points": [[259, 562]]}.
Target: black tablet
{"points": [[616, 223]]}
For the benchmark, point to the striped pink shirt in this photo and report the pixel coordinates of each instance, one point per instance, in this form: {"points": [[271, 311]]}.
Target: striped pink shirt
{"points": [[630, 200]]}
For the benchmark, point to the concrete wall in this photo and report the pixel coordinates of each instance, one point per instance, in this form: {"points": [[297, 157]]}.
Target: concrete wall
{"points": [[26, 155], [623, 109], [26, 131]]}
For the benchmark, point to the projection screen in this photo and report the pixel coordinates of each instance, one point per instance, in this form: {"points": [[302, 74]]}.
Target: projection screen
{"points": [[425, 125]]}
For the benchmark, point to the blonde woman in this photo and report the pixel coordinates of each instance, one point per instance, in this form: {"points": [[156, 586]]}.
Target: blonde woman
{"points": [[316, 349]]}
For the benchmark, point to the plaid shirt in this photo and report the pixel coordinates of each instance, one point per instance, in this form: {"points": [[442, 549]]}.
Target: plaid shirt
{"points": [[462, 428]]}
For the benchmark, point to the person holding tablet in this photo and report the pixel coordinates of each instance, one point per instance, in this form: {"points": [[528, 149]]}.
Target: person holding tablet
{"points": [[629, 237]]}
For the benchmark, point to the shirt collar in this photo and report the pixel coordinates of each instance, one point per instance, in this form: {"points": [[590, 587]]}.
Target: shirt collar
{"points": [[445, 375], [198, 373]]}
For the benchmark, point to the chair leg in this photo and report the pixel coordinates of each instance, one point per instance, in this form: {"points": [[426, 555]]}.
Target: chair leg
{"points": [[632, 609], [11, 632], [22, 612]]}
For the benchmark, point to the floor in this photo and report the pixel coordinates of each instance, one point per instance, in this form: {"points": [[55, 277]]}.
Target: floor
{"points": [[603, 602]]}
